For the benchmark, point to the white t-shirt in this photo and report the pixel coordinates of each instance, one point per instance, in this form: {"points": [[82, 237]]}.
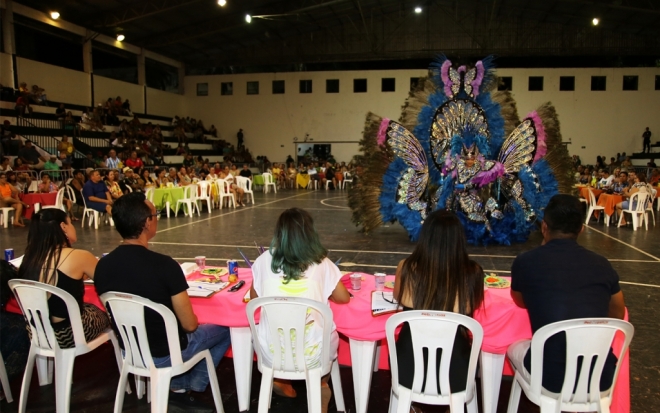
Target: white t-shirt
{"points": [[317, 283]]}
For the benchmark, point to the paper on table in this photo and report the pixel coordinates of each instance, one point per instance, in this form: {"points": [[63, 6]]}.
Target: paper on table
{"points": [[383, 302], [188, 268], [200, 289], [16, 262]]}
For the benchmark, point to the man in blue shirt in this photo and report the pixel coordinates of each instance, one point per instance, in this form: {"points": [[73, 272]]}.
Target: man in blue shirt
{"points": [[96, 194]]}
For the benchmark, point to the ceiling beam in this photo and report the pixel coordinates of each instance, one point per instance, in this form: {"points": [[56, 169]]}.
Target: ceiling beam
{"points": [[137, 10]]}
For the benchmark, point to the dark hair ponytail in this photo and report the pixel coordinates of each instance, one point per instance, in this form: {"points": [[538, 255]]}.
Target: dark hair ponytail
{"points": [[44, 247]]}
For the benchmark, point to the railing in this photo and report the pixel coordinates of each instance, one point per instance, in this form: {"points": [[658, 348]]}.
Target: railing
{"points": [[40, 123], [45, 142]]}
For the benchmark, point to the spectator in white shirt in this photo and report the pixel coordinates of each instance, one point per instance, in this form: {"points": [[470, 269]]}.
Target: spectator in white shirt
{"points": [[605, 179], [112, 162]]}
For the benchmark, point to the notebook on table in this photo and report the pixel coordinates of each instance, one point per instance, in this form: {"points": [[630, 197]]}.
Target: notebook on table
{"points": [[383, 302], [202, 289]]}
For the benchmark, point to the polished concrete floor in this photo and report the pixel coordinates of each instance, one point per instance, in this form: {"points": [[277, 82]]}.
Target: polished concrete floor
{"points": [[634, 254]]}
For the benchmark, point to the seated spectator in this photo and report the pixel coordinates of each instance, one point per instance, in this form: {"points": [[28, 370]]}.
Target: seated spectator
{"points": [[160, 279], [313, 174], [9, 199], [99, 160], [30, 156], [52, 165], [297, 257], [212, 175], [330, 174], [88, 162], [213, 131], [639, 185], [655, 177], [233, 188], [246, 172], [4, 165], [126, 106], [67, 147], [561, 280], [621, 183], [161, 179], [188, 160], [77, 183], [134, 162], [145, 177], [46, 186], [626, 163], [70, 125], [11, 143], [20, 166], [112, 162], [606, 179], [19, 180], [22, 106], [50, 259], [651, 164], [184, 177], [112, 183], [60, 112], [172, 177], [38, 96], [130, 181], [96, 194]]}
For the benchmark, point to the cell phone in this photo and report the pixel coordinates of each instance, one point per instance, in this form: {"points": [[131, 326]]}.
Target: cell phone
{"points": [[237, 286]]}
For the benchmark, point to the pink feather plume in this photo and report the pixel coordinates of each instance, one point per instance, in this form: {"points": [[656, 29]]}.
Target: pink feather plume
{"points": [[476, 83], [382, 131], [486, 177], [541, 147], [444, 74]]}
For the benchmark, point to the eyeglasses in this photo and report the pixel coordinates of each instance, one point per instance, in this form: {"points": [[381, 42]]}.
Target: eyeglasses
{"points": [[392, 301]]}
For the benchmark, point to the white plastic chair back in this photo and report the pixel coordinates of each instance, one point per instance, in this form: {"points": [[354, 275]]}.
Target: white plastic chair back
{"points": [[189, 199], [4, 214], [586, 338], [129, 189], [149, 194], [592, 206], [268, 181], [347, 180], [34, 186], [637, 209], [286, 315], [224, 192], [205, 194], [32, 297], [649, 207], [127, 312], [4, 380], [433, 330], [59, 201], [245, 184]]}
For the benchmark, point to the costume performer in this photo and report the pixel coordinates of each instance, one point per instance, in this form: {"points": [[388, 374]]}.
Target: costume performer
{"points": [[459, 145]]}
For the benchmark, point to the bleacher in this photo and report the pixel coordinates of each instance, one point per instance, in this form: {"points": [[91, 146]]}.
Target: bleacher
{"points": [[46, 131]]}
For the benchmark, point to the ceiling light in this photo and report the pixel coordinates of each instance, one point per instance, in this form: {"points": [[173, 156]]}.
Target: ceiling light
{"points": [[120, 37], [222, 3], [418, 10], [248, 18], [54, 15], [595, 21]]}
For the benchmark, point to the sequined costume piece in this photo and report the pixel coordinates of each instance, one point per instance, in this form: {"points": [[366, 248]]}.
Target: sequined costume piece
{"points": [[414, 180]]}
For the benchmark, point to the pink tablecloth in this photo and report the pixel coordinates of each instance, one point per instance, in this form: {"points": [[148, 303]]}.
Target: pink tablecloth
{"points": [[31, 199]]}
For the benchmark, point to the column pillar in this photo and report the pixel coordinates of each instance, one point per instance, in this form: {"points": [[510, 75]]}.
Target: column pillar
{"points": [[9, 45]]}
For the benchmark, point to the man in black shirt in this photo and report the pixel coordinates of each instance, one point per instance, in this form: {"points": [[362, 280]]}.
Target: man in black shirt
{"points": [[134, 269], [647, 141], [30, 156], [561, 280], [246, 172]]}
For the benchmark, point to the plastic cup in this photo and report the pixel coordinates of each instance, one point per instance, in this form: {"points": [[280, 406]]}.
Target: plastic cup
{"points": [[356, 281], [379, 277], [200, 261]]}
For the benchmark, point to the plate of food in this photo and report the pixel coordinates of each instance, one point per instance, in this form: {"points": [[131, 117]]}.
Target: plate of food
{"points": [[494, 281], [389, 284]]}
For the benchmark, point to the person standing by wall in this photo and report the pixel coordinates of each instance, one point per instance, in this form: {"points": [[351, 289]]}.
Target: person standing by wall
{"points": [[647, 140], [239, 135]]}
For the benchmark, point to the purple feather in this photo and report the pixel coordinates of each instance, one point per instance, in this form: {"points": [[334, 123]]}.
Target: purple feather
{"points": [[476, 83], [444, 73], [382, 131], [541, 146], [485, 177]]}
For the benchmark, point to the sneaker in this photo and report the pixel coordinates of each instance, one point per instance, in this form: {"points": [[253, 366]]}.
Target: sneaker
{"points": [[186, 402]]}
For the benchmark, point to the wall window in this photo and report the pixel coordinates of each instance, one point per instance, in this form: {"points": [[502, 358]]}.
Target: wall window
{"points": [[252, 88], [332, 86], [359, 85], [414, 82], [278, 87], [567, 83], [505, 83], [227, 88], [388, 84], [305, 86], [657, 82], [535, 83], [598, 83], [630, 82], [202, 89]]}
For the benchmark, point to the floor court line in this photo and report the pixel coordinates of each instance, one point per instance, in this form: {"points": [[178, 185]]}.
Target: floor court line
{"points": [[334, 206], [624, 243], [228, 213]]}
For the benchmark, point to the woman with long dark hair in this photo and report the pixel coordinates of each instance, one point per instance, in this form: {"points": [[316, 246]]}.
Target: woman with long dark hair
{"points": [[439, 276], [297, 265], [50, 259]]}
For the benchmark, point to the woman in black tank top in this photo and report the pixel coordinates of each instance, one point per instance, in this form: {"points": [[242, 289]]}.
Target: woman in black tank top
{"points": [[50, 259]]}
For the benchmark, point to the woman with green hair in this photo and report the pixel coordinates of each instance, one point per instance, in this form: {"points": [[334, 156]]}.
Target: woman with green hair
{"points": [[296, 265]]}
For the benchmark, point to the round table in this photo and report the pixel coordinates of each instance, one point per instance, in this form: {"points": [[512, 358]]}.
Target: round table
{"points": [[164, 195], [609, 201], [302, 180], [34, 198]]}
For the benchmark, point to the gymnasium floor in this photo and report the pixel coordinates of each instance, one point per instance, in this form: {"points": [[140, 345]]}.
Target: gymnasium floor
{"points": [[634, 254]]}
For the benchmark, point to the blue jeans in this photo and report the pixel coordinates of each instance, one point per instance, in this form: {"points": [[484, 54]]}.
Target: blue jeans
{"points": [[207, 336]]}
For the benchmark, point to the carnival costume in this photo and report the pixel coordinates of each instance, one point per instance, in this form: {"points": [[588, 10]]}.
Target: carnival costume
{"points": [[459, 145]]}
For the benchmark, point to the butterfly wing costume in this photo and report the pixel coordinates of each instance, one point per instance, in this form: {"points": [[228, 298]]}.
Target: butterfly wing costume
{"points": [[459, 145]]}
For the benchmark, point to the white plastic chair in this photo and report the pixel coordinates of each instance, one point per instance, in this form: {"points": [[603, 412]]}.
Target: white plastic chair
{"points": [[205, 189], [313, 183], [268, 181], [246, 185], [4, 380], [59, 201], [433, 330], [225, 192], [637, 209], [347, 180], [593, 206], [649, 208], [586, 338], [4, 214], [290, 314], [93, 215], [32, 297], [149, 194], [128, 315], [189, 200]]}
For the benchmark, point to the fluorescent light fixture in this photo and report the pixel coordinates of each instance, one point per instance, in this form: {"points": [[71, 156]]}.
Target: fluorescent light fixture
{"points": [[54, 15], [120, 37], [595, 21], [248, 18], [418, 9], [222, 3]]}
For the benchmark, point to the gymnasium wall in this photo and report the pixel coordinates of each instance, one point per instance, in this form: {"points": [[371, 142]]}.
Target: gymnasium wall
{"points": [[594, 122], [62, 85], [105, 88], [6, 76]]}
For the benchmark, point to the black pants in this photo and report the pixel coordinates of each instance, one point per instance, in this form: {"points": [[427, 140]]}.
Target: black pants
{"points": [[647, 145]]}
